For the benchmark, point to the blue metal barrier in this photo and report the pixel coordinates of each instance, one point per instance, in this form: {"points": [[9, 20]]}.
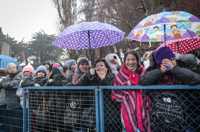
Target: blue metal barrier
{"points": [[103, 101], [183, 88], [62, 88]]}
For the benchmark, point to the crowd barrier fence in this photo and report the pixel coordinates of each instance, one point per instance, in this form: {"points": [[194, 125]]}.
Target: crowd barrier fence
{"points": [[166, 108]]}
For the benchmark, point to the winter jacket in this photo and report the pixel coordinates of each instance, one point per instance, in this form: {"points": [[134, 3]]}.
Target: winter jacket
{"points": [[50, 68], [85, 98], [36, 95], [68, 80], [2, 94], [89, 80], [12, 79], [70, 72], [185, 72], [57, 77]]}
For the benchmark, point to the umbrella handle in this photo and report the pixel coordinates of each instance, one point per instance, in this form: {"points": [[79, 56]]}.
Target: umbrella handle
{"points": [[169, 68]]}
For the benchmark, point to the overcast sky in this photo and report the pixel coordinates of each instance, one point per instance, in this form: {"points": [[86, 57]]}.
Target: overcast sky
{"points": [[22, 18]]}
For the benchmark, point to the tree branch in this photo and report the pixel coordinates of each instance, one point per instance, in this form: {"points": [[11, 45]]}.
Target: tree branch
{"points": [[127, 5], [59, 12], [143, 4], [116, 18]]}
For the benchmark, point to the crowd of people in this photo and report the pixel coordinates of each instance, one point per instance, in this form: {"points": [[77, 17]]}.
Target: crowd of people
{"points": [[134, 105]]}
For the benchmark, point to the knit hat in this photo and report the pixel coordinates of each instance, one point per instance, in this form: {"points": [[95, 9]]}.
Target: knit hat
{"points": [[41, 68], [69, 63], [28, 68], [82, 60], [163, 53], [3, 72], [55, 65]]}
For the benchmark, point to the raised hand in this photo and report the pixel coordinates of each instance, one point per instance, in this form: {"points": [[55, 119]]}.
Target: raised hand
{"points": [[167, 62], [75, 78], [92, 71], [50, 80]]}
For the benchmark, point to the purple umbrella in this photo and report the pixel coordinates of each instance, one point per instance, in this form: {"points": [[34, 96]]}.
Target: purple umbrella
{"points": [[89, 35]]}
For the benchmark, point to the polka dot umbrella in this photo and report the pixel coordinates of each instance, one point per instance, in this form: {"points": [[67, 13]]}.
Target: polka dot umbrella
{"points": [[89, 35], [183, 46]]}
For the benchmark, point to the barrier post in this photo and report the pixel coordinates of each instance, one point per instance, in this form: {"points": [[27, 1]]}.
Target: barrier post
{"points": [[97, 109], [101, 110], [24, 110]]}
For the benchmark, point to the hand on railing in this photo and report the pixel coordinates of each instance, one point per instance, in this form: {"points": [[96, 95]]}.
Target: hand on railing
{"points": [[37, 85]]}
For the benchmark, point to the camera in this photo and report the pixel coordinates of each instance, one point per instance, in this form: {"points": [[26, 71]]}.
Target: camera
{"points": [[115, 57]]}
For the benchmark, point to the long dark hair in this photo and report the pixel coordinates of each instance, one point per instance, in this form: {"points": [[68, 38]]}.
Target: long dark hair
{"points": [[133, 52]]}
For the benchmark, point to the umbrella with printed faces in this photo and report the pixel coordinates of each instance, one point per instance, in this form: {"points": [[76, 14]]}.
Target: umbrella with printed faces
{"points": [[183, 46], [89, 35], [5, 60], [166, 26]]}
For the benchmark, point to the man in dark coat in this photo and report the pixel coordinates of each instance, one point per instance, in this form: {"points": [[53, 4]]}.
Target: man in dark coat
{"points": [[181, 71], [184, 70], [14, 110]]}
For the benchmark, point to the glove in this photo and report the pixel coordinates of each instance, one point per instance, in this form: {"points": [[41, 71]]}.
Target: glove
{"points": [[75, 104]]}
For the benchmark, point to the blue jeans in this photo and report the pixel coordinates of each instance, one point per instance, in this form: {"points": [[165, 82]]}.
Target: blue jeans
{"points": [[3, 119], [79, 130]]}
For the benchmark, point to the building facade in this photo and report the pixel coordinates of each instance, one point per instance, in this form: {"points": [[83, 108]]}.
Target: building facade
{"points": [[5, 46]]}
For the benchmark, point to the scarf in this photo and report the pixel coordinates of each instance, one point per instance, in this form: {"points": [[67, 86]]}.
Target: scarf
{"points": [[27, 77], [135, 103]]}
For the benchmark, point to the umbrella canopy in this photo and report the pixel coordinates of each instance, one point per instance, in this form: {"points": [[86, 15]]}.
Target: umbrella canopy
{"points": [[89, 35], [5, 60], [183, 46], [179, 25]]}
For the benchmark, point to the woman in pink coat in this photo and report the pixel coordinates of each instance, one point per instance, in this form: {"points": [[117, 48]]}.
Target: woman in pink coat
{"points": [[135, 107]]}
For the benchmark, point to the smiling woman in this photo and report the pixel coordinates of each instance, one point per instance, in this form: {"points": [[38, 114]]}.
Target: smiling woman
{"points": [[135, 100]]}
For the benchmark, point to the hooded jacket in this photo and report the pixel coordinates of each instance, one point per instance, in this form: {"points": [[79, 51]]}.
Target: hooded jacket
{"points": [[58, 78], [185, 72], [50, 68], [12, 79]]}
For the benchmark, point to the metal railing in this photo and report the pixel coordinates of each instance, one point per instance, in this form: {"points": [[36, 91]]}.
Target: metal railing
{"points": [[171, 108]]}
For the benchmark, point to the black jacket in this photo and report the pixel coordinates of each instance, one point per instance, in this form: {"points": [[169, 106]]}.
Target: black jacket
{"points": [[86, 98], [185, 72], [88, 80], [37, 95], [58, 78]]}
